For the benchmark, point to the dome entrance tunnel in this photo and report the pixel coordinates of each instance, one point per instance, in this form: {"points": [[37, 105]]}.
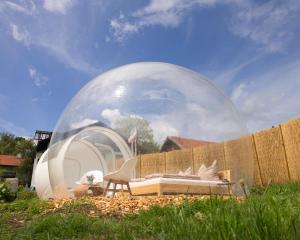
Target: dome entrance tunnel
{"points": [[92, 148]]}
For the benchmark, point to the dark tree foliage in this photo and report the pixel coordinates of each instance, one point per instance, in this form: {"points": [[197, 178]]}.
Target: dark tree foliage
{"points": [[147, 147], [7, 144], [146, 142], [25, 149]]}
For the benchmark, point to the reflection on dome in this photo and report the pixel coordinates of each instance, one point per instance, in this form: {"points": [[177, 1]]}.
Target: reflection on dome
{"points": [[156, 99]]}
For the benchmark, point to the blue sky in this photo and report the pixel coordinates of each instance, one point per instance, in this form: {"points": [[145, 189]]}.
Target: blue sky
{"points": [[49, 49]]}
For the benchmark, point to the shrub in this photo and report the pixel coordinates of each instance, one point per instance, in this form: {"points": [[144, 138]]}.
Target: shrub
{"points": [[25, 194], [5, 194]]}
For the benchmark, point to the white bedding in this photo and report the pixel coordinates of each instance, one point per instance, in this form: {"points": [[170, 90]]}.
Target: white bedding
{"points": [[158, 180]]}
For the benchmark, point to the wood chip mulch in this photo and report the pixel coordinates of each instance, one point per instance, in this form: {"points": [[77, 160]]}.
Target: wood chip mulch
{"points": [[123, 204]]}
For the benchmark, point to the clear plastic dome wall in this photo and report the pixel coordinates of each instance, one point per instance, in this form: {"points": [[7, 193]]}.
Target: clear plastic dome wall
{"points": [[154, 99]]}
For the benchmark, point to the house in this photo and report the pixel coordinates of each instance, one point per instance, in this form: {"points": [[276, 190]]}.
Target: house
{"points": [[8, 166], [174, 143]]}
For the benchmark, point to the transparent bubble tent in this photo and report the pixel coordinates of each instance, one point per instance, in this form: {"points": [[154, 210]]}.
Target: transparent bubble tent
{"points": [[150, 99]]}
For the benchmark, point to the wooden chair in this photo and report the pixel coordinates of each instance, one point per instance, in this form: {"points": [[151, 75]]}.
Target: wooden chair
{"points": [[122, 177]]}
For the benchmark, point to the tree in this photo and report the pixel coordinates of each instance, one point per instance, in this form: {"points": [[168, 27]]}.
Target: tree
{"points": [[7, 144], [146, 143], [26, 150], [18, 146]]}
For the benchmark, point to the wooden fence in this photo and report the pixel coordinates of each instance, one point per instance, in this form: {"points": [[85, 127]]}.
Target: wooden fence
{"points": [[272, 154]]}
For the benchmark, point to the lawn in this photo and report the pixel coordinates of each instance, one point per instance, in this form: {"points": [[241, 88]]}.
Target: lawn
{"points": [[268, 213]]}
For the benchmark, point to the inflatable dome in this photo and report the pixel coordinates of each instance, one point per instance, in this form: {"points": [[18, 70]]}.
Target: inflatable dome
{"points": [[143, 104]]}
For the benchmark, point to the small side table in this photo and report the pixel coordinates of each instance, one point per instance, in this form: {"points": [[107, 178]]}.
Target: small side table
{"points": [[96, 189]]}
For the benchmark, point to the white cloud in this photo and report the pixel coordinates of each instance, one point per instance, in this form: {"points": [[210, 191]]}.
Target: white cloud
{"points": [[161, 129], [271, 97], [238, 92], [58, 6], [27, 7], [38, 79], [112, 115], [167, 13], [20, 36], [58, 41], [270, 24], [161, 94], [226, 77], [122, 29], [65, 54], [83, 123], [56, 46], [10, 127]]}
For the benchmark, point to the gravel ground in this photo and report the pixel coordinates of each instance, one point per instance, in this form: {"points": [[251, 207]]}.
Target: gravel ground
{"points": [[123, 204]]}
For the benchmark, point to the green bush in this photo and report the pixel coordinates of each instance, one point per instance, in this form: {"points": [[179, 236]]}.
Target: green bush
{"points": [[25, 194], [5, 194]]}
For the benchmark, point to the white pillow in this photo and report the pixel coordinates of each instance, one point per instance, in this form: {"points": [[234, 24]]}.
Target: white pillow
{"points": [[201, 170], [208, 173], [188, 171]]}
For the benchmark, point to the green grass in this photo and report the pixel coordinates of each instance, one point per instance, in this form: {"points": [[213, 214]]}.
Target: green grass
{"points": [[272, 213]]}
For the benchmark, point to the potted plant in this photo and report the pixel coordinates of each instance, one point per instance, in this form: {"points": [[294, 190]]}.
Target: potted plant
{"points": [[97, 190], [90, 179]]}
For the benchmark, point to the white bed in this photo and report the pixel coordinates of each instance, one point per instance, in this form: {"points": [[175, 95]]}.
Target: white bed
{"points": [[161, 185], [160, 180]]}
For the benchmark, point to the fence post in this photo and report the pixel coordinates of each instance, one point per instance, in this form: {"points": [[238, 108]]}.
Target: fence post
{"points": [[225, 159], [193, 162], [257, 161], [140, 163], [285, 155], [165, 160]]}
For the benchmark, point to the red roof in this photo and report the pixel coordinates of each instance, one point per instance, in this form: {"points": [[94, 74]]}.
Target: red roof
{"points": [[187, 142], [9, 160]]}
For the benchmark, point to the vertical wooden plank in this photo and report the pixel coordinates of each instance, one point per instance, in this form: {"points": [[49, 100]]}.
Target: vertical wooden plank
{"points": [[152, 163], [207, 154], [178, 160], [257, 172], [271, 156], [160, 162], [291, 138], [239, 156], [138, 167]]}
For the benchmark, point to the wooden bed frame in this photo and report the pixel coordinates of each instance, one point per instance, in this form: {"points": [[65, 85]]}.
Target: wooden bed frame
{"points": [[163, 188], [224, 188]]}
